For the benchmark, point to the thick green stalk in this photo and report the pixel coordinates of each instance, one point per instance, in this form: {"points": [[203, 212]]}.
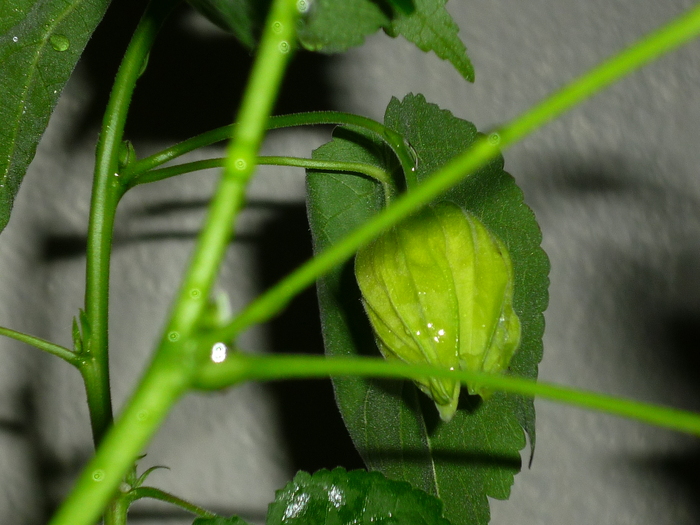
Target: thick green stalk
{"points": [[240, 367], [106, 192], [273, 56], [668, 37], [171, 371]]}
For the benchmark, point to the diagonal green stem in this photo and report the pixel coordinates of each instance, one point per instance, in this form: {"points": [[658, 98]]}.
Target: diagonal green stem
{"points": [[161, 495], [482, 151], [47, 346], [170, 373], [240, 367]]}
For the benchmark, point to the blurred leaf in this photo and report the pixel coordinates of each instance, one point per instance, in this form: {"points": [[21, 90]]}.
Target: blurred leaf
{"points": [[395, 427], [338, 497], [40, 43], [243, 18]]}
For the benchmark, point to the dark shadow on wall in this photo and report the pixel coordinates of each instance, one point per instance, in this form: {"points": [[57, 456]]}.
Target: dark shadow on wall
{"points": [[193, 82], [311, 423], [680, 474], [638, 269]]}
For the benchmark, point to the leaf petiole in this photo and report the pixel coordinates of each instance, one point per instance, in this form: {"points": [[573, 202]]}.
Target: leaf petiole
{"points": [[373, 172], [402, 150], [47, 346]]}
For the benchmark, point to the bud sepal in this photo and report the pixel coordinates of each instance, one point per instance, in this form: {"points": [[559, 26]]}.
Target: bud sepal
{"points": [[438, 289]]}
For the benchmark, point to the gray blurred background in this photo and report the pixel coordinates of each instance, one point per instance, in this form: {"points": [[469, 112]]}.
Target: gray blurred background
{"points": [[614, 184]]}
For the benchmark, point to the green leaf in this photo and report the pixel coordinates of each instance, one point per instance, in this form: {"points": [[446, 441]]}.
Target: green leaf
{"points": [[333, 26], [220, 521], [40, 43], [431, 28], [337, 497], [395, 427]]}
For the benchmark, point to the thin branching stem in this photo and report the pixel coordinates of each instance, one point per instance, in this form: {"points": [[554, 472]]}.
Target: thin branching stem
{"points": [[373, 172], [42, 344], [241, 366]]}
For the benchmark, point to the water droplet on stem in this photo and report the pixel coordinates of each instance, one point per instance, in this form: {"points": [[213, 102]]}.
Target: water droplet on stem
{"points": [[98, 475]]}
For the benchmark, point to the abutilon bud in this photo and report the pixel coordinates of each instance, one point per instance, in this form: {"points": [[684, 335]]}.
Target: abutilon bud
{"points": [[438, 289]]}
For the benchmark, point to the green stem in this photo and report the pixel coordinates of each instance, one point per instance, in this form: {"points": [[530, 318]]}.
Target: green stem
{"points": [[154, 493], [482, 151], [47, 346], [402, 150], [373, 172], [239, 367], [118, 510], [170, 373], [106, 192], [239, 167]]}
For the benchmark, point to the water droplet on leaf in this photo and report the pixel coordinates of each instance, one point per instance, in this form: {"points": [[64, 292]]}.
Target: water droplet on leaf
{"points": [[59, 42]]}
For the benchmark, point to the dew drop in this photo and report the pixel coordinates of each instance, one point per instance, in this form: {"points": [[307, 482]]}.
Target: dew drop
{"points": [[15, 39], [277, 27], [494, 139], [174, 336], [283, 47], [303, 5], [218, 352], [195, 293], [240, 164], [98, 475], [59, 42], [142, 415]]}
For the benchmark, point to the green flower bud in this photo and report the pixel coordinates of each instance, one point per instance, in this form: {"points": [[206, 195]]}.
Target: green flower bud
{"points": [[438, 289]]}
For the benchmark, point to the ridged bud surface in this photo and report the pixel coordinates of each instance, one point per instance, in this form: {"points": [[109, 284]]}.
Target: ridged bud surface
{"points": [[438, 289]]}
